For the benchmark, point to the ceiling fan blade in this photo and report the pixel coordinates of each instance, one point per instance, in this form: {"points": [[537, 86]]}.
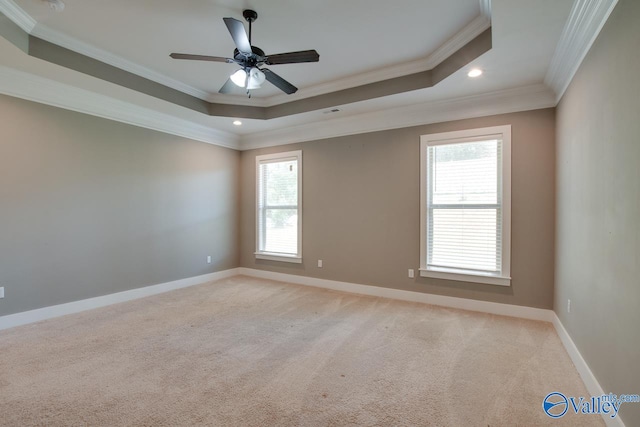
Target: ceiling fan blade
{"points": [[227, 86], [279, 82], [239, 35], [200, 57], [293, 57]]}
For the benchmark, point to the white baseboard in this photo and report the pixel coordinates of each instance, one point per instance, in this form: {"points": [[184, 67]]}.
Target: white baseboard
{"points": [[590, 381], [445, 301], [26, 317]]}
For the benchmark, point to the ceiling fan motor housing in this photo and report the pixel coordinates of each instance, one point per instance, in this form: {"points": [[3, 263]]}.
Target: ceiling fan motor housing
{"points": [[249, 61]]}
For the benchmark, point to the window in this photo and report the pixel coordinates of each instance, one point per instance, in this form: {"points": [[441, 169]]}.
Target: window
{"points": [[279, 207], [466, 205]]}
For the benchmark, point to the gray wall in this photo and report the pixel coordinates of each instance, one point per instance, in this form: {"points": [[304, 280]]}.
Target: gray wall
{"points": [[598, 202], [361, 210], [90, 206]]}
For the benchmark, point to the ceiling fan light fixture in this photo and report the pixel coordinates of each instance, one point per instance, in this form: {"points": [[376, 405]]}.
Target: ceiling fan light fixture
{"points": [[256, 78], [239, 78]]}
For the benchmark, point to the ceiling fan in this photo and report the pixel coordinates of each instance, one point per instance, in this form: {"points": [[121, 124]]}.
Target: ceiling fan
{"points": [[251, 58]]}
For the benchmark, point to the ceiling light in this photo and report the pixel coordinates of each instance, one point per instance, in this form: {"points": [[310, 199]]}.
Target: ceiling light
{"points": [[252, 78], [237, 122], [256, 78], [475, 72], [239, 78]]}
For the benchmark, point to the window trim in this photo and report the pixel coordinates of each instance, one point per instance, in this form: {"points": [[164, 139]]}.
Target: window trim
{"points": [[468, 135], [273, 158]]}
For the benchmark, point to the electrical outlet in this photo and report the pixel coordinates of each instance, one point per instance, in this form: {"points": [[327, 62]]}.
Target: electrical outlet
{"points": [[319, 263], [568, 306], [2, 292], [411, 273], [208, 259]]}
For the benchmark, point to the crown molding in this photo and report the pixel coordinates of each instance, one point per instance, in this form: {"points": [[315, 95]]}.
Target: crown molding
{"points": [[31, 26], [470, 31], [585, 21], [52, 36], [17, 15], [34, 88], [499, 102]]}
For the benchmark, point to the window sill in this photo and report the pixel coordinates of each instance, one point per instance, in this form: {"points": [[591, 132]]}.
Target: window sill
{"points": [[465, 277], [278, 257]]}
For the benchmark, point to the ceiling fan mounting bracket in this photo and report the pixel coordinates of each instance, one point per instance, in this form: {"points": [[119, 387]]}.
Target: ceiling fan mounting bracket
{"points": [[250, 15]]}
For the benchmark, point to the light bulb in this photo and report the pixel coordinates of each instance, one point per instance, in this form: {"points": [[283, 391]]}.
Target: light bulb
{"points": [[256, 78], [475, 72], [239, 78]]}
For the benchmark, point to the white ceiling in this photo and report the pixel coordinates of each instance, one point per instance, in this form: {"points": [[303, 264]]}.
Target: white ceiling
{"points": [[353, 38]]}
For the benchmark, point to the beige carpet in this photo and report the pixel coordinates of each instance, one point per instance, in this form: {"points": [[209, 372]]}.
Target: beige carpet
{"points": [[244, 351]]}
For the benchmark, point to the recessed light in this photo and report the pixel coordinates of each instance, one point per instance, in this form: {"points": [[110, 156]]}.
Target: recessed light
{"points": [[475, 72], [237, 123]]}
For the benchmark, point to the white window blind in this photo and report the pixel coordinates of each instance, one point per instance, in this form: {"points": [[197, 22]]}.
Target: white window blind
{"points": [[278, 204], [466, 210]]}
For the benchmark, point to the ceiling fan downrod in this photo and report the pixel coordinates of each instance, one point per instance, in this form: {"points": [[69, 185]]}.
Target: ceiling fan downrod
{"points": [[250, 16]]}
